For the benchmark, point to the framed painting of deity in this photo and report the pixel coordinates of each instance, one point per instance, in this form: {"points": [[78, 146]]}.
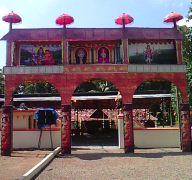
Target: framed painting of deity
{"points": [[152, 53]]}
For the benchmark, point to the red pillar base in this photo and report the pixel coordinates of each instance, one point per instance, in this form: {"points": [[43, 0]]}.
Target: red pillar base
{"points": [[66, 130], [6, 132], [185, 128], [129, 138]]}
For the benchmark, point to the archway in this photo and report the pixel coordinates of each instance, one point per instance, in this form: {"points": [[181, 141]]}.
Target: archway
{"points": [[95, 107], [37, 94], [156, 115], [20, 126]]}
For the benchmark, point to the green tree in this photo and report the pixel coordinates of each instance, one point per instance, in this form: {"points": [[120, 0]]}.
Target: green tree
{"points": [[187, 51], [36, 88], [96, 86]]}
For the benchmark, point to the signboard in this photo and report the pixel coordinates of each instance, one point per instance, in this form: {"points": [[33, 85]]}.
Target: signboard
{"points": [[33, 55], [152, 53]]}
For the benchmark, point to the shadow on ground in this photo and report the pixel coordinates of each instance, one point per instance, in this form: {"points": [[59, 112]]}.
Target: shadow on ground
{"points": [[88, 154]]}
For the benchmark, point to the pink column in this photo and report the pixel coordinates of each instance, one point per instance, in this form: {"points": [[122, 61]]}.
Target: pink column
{"points": [[65, 52], [125, 51], [179, 52], [66, 130], [7, 131], [129, 137], [185, 128], [9, 54]]}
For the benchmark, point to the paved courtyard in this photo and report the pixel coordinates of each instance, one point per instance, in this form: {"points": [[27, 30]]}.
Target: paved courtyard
{"points": [[19, 163], [106, 163]]}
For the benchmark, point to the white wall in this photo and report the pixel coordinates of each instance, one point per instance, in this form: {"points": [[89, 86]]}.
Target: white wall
{"points": [[29, 139], [24, 138], [157, 138]]}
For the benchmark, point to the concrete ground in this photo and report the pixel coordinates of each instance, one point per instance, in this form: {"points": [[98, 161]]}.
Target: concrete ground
{"points": [[19, 163], [109, 163]]}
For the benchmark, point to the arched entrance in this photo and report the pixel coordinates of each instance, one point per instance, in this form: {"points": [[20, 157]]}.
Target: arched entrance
{"points": [[18, 118], [37, 94], [158, 116], [95, 107]]}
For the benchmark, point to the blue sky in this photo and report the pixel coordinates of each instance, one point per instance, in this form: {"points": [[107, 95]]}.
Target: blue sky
{"points": [[88, 13]]}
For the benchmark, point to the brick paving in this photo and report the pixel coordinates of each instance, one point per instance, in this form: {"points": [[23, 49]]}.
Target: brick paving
{"points": [[19, 163], [150, 164]]}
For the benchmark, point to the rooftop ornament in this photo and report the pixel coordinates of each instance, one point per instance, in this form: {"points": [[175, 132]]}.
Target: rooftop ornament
{"points": [[64, 20], [124, 19], [173, 18], [12, 18]]}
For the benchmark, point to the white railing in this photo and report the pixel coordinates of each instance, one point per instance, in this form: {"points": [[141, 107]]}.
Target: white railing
{"points": [[33, 70], [156, 68], [90, 68]]}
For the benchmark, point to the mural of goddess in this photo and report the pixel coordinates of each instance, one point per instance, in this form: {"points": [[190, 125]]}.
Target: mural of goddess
{"points": [[103, 55], [40, 56], [81, 56], [148, 54], [49, 60]]}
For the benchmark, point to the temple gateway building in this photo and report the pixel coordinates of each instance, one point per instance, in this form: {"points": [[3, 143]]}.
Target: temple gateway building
{"points": [[121, 87]]}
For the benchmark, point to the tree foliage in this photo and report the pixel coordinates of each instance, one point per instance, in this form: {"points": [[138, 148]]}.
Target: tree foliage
{"points": [[153, 87], [187, 52], [36, 88], [96, 86]]}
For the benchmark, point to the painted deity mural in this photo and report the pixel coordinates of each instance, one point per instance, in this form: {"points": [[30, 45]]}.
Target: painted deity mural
{"points": [[152, 53], [81, 56], [103, 55], [32, 55]]}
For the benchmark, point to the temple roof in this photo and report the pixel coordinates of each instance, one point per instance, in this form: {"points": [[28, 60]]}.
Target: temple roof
{"points": [[92, 34]]}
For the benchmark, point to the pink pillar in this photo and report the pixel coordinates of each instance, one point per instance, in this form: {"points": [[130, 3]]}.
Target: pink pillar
{"points": [[179, 52], [125, 46], [7, 131], [66, 130], [125, 51], [65, 52], [185, 128], [9, 54], [65, 46], [129, 137]]}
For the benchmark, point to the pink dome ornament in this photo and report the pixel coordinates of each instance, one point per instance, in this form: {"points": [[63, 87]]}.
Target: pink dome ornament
{"points": [[124, 19], [173, 18], [12, 18], [64, 20]]}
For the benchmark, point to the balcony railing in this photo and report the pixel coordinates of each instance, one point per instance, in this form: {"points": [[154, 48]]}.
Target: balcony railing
{"points": [[97, 68]]}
